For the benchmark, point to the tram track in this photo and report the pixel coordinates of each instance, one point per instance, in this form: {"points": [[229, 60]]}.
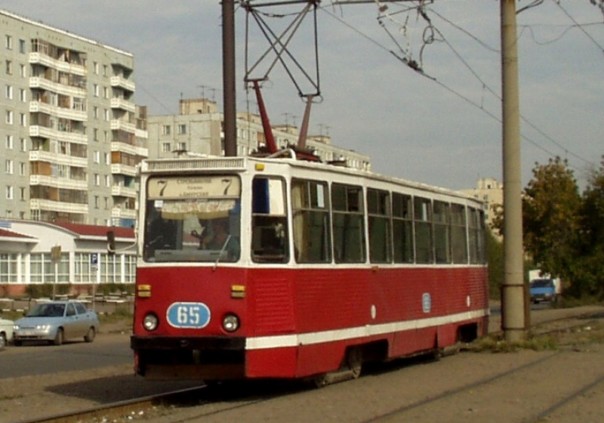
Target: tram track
{"points": [[254, 399]]}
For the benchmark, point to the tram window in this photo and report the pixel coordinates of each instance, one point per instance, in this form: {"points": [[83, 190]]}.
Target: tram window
{"points": [[402, 228], [476, 233], [348, 227], [459, 244], [442, 232], [378, 208], [192, 219], [269, 221], [312, 240], [422, 215]]}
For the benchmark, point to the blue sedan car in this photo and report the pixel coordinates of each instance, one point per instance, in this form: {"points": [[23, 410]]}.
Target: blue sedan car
{"points": [[56, 321]]}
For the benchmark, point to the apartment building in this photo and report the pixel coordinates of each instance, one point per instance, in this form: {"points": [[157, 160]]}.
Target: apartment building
{"points": [[70, 135], [198, 129]]}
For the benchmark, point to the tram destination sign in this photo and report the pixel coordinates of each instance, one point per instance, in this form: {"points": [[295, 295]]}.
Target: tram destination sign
{"points": [[193, 187]]}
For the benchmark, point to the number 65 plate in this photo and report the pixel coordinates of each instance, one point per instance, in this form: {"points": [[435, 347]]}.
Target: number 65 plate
{"points": [[188, 315]]}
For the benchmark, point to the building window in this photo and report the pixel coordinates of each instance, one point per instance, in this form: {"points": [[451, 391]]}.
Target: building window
{"points": [[9, 117], [97, 179], [22, 168], [22, 46], [9, 192], [9, 67], [165, 147], [23, 143], [166, 130], [8, 92], [23, 95], [182, 129], [96, 156], [23, 119], [9, 167], [8, 42], [22, 193], [182, 146], [23, 71], [9, 142]]}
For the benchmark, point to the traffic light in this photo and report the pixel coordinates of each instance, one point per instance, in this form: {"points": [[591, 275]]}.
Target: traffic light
{"points": [[111, 242]]}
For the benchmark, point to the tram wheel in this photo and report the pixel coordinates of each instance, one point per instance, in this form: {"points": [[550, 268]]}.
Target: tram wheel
{"points": [[354, 361]]}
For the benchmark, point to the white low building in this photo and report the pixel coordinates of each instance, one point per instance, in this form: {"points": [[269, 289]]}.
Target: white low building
{"points": [[72, 257]]}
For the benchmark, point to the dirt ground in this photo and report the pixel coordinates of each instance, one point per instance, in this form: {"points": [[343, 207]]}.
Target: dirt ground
{"points": [[573, 348]]}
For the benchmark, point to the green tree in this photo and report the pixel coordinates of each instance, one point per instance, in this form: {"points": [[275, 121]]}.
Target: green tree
{"points": [[551, 218], [588, 272]]}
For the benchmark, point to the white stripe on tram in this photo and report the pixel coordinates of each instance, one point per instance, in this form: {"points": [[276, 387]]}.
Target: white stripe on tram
{"points": [[280, 341]]}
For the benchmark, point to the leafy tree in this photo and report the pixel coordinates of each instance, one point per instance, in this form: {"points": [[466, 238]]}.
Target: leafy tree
{"points": [[588, 272], [551, 218], [495, 260]]}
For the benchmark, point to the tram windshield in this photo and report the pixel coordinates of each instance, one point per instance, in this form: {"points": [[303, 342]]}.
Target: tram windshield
{"points": [[192, 219]]}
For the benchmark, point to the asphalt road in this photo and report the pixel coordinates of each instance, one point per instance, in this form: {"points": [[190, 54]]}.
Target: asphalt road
{"points": [[39, 359], [110, 349]]}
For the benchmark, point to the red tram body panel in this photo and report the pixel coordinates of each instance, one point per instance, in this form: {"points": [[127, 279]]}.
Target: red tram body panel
{"points": [[281, 315]]}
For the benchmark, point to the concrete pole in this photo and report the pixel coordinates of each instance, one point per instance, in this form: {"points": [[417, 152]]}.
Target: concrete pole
{"points": [[228, 77], [514, 312]]}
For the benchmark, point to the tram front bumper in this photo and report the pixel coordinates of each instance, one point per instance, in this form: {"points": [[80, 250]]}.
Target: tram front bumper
{"points": [[173, 358]]}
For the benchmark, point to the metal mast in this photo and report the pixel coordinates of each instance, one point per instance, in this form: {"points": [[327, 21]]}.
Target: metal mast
{"points": [[228, 77]]}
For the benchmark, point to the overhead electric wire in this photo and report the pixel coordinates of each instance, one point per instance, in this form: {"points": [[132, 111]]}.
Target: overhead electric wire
{"points": [[458, 94], [579, 26]]}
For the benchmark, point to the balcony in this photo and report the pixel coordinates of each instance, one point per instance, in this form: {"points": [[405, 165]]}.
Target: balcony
{"points": [[122, 191], [39, 107], [58, 206], [55, 87], [44, 132], [120, 103], [122, 169], [63, 183], [121, 82], [118, 213], [61, 159], [123, 147], [119, 125], [60, 65]]}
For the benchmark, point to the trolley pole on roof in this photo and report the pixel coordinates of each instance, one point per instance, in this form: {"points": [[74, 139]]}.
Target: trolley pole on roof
{"points": [[228, 77], [515, 317]]}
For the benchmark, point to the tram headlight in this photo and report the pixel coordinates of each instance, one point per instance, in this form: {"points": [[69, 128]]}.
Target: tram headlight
{"points": [[150, 322], [230, 322]]}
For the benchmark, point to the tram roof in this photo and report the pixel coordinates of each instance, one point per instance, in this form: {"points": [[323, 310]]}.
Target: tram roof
{"points": [[184, 165]]}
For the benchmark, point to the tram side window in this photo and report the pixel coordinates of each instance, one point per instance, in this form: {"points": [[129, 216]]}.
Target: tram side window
{"points": [[402, 228], [442, 232], [378, 209], [310, 208], [459, 244], [422, 215], [269, 221], [348, 227], [476, 233]]}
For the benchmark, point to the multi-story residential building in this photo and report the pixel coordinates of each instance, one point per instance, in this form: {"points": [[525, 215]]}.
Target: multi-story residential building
{"points": [[198, 129], [490, 191], [71, 137]]}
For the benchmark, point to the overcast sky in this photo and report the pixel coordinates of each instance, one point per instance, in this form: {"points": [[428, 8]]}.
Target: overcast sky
{"points": [[442, 127]]}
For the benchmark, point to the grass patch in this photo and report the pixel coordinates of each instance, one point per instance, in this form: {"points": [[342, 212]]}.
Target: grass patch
{"points": [[496, 344]]}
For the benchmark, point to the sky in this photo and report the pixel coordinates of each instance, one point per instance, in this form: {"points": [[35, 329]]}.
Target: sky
{"points": [[440, 126]]}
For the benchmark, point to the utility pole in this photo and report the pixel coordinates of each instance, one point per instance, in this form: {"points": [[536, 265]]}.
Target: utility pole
{"points": [[228, 77], [515, 317]]}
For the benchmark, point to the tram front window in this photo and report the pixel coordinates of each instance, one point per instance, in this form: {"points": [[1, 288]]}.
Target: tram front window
{"points": [[203, 227]]}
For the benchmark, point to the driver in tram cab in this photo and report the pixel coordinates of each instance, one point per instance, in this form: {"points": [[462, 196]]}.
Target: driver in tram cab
{"points": [[216, 237]]}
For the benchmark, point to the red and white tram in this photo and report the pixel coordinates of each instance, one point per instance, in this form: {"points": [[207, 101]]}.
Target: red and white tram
{"points": [[321, 268]]}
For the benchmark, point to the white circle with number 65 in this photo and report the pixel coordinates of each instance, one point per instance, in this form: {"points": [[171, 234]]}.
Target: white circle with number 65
{"points": [[188, 315]]}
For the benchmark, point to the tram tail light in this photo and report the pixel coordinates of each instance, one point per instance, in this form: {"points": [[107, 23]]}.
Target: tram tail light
{"points": [[143, 291], [237, 291]]}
